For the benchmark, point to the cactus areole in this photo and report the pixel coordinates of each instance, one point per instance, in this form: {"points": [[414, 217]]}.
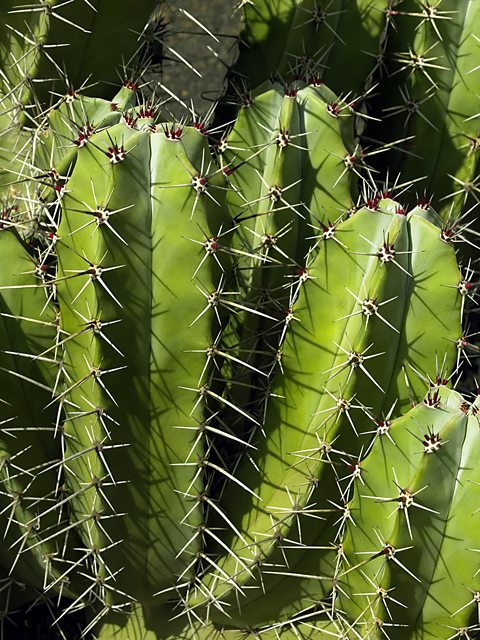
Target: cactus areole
{"points": [[233, 354]]}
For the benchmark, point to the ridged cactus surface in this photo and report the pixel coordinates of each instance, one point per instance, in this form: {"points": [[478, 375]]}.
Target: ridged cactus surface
{"points": [[233, 354], [412, 66], [421, 519]]}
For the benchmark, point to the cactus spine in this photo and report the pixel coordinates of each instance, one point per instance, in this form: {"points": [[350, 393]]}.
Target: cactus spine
{"points": [[228, 361]]}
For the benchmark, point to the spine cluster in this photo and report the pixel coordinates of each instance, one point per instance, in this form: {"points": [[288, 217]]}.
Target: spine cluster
{"points": [[231, 355]]}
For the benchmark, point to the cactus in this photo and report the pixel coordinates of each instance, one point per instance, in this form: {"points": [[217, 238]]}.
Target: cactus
{"points": [[415, 75], [432, 60], [288, 40], [49, 50], [228, 359], [431, 523], [130, 226], [337, 373]]}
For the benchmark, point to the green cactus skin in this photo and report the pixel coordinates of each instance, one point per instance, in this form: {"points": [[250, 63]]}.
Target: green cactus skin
{"points": [[39, 176], [432, 95], [30, 442], [329, 183], [266, 22], [133, 269], [216, 422], [267, 209], [145, 627], [38, 39], [71, 124], [426, 506], [328, 328], [418, 62], [285, 161], [37, 64], [307, 39], [288, 131]]}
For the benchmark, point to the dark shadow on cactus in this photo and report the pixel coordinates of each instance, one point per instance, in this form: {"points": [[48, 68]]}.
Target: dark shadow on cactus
{"points": [[36, 623], [410, 105]]}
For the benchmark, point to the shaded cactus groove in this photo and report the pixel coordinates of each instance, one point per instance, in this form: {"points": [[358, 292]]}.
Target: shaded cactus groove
{"points": [[233, 354]]}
